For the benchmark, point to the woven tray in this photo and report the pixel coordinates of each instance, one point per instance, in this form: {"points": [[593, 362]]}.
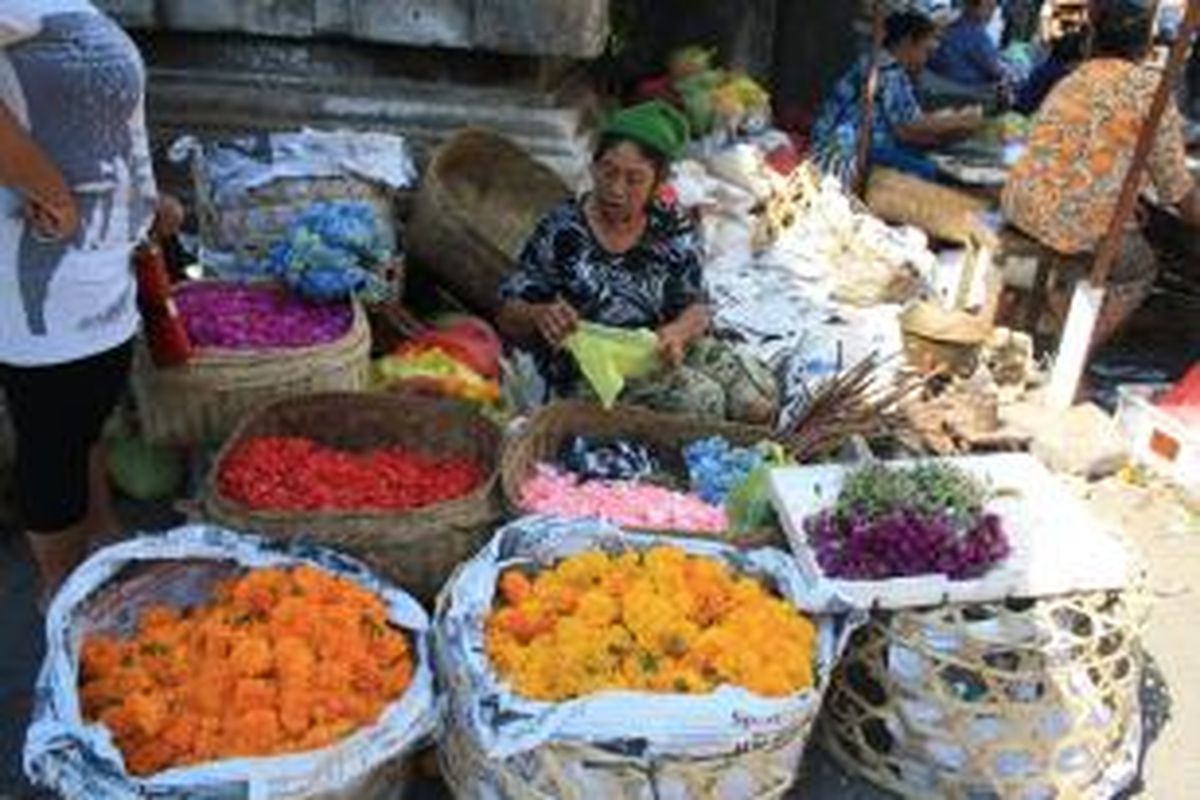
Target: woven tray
{"points": [[998, 700], [543, 437], [418, 549], [201, 402]]}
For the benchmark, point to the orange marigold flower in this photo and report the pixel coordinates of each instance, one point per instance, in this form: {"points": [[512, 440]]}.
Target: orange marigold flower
{"points": [[279, 661]]}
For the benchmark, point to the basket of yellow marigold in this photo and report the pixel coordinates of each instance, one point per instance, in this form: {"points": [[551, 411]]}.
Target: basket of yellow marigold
{"points": [[581, 660], [203, 663]]}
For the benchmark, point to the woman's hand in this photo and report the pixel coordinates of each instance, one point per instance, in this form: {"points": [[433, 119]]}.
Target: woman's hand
{"points": [[168, 218], [675, 336], [49, 204], [672, 345], [53, 215], [554, 321]]}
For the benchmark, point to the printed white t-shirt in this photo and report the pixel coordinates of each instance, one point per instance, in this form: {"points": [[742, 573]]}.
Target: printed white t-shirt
{"points": [[76, 82]]}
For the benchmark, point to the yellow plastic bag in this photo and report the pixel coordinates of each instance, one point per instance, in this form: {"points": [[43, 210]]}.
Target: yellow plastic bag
{"points": [[608, 357]]}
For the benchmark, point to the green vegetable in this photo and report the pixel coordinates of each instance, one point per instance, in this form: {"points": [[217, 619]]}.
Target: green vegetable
{"points": [[929, 488], [143, 471], [749, 505]]}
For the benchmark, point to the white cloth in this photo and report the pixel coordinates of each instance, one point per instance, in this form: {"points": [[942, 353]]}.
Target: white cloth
{"points": [[75, 81]]}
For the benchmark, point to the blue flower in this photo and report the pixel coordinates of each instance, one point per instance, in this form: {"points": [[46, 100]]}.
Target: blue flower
{"points": [[330, 252]]}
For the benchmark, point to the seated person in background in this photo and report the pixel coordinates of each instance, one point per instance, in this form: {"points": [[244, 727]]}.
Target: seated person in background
{"points": [[1066, 53], [1063, 192], [900, 129], [620, 257], [966, 65]]}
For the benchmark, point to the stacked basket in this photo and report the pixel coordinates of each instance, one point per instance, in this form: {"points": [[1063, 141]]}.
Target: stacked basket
{"points": [[203, 400]]}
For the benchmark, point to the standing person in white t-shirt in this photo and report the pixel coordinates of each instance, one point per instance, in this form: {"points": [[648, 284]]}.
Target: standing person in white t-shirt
{"points": [[76, 195]]}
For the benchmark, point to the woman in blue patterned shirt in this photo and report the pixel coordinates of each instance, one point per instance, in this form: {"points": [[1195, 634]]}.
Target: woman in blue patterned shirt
{"points": [[620, 257], [900, 129]]}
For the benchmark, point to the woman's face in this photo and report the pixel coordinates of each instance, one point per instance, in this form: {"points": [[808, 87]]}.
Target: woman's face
{"points": [[625, 181], [914, 53]]}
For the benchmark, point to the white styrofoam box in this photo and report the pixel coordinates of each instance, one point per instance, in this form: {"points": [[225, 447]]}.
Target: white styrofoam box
{"points": [[1158, 438], [1058, 545]]}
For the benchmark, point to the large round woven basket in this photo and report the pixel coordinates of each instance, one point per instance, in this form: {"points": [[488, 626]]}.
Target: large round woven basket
{"points": [[479, 201], [201, 402], [554, 425], [1016, 699], [418, 549]]}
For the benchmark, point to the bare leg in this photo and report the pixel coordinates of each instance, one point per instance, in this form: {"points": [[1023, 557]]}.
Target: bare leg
{"points": [[56, 554], [102, 524]]}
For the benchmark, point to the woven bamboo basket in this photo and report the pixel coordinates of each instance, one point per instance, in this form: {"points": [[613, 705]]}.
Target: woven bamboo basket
{"points": [[944, 212], [203, 400], [551, 427], [418, 549], [1000, 700], [480, 200]]}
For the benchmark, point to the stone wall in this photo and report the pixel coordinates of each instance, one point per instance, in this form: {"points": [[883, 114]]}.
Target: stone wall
{"points": [[567, 28]]}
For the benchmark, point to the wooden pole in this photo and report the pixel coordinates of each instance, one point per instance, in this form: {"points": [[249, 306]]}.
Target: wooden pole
{"points": [[1087, 301], [862, 159]]}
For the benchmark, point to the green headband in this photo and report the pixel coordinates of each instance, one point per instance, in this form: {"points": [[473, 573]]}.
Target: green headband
{"points": [[655, 125]]}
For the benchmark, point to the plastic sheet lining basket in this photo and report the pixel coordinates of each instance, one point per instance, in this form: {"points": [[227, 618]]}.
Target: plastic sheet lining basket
{"points": [[480, 199], [418, 549], [552, 426], [202, 401], [1024, 699]]}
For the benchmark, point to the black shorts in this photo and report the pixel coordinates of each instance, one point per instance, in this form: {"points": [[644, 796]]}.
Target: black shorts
{"points": [[58, 413]]}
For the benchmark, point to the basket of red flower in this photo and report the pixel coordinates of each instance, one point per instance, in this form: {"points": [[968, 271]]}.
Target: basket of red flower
{"points": [[405, 482]]}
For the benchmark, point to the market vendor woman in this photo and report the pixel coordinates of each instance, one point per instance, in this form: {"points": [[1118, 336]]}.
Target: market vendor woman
{"points": [[1063, 192], [901, 131], [620, 257]]}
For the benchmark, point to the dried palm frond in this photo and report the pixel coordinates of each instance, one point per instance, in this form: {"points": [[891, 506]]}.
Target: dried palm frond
{"points": [[862, 400]]}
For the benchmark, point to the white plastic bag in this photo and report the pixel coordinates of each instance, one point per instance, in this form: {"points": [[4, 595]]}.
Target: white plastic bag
{"points": [[79, 760], [617, 745]]}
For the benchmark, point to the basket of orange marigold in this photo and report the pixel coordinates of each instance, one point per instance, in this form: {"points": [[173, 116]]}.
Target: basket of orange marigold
{"points": [[582, 660], [203, 662]]}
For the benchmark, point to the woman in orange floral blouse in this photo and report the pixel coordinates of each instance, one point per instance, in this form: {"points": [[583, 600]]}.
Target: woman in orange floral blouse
{"points": [[1063, 192]]}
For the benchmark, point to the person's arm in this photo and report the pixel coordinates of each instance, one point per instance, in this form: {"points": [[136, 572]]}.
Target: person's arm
{"points": [[986, 58], [1173, 182], [685, 299], [900, 110], [675, 336], [931, 130], [532, 307], [526, 323], [26, 169], [1189, 207]]}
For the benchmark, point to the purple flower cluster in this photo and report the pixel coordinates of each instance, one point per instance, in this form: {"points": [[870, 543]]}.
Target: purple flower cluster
{"points": [[257, 316], [905, 542]]}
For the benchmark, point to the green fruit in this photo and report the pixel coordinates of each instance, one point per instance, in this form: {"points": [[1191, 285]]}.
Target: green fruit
{"points": [[143, 471]]}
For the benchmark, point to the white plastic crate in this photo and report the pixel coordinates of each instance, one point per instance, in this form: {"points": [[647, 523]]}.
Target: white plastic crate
{"points": [[1161, 440], [1058, 545]]}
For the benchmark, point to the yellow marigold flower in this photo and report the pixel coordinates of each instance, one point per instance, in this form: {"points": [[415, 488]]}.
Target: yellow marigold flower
{"points": [[661, 621]]}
